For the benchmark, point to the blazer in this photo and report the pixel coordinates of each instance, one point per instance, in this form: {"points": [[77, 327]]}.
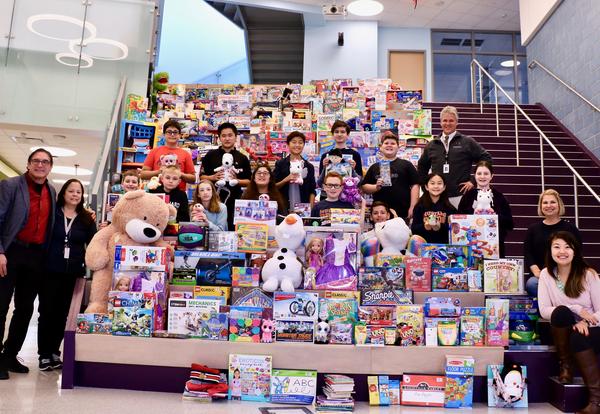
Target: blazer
{"points": [[14, 210]]}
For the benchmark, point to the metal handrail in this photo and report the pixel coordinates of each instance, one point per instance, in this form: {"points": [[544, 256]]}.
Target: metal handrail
{"points": [[535, 63], [543, 136]]}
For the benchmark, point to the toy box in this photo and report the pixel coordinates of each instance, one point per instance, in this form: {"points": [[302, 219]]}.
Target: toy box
{"points": [[341, 333], [252, 237], [295, 315], [371, 278], [222, 241], [255, 211], [472, 326], [386, 260], [244, 324], [245, 276], [341, 217], [459, 381], [387, 296], [503, 276], [141, 258], [409, 325], [293, 386], [222, 293], [480, 232], [423, 390], [337, 310], [394, 392], [93, 323], [250, 377], [441, 306], [446, 255], [446, 279], [294, 331], [205, 268], [418, 273], [131, 313], [448, 333], [497, 320], [190, 316], [507, 386], [254, 297], [377, 315]]}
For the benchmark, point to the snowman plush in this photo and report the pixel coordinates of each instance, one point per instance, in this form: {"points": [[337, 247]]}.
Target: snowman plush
{"points": [[284, 270], [227, 168]]}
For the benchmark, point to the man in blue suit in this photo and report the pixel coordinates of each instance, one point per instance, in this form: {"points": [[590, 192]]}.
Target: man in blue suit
{"points": [[27, 204]]}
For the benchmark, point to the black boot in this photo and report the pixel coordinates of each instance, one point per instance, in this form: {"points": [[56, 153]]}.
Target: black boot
{"points": [[588, 365], [561, 342], [3, 368]]}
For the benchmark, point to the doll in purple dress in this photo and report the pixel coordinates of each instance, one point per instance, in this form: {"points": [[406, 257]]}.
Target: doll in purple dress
{"points": [[337, 259], [314, 253]]}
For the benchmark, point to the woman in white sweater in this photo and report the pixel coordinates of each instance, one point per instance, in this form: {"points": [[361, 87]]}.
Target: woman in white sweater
{"points": [[569, 295]]}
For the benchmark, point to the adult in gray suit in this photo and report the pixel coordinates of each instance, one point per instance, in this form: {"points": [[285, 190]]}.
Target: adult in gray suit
{"points": [[27, 204]]}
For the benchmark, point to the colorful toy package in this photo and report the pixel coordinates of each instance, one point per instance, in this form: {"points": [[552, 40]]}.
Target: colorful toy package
{"points": [[244, 324], [251, 296], [93, 323], [446, 255], [295, 315], [190, 316], [141, 258], [440, 306], [409, 325], [459, 381], [454, 279], [293, 386], [245, 276], [340, 333], [386, 297], [434, 336], [423, 390], [503, 276], [480, 232], [472, 326], [131, 313], [377, 315], [448, 332], [338, 310], [205, 268], [418, 273], [222, 293], [497, 319], [252, 237], [250, 377]]}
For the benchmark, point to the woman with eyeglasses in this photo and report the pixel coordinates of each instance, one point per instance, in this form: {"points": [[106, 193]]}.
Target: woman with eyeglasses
{"points": [[263, 182], [333, 185]]}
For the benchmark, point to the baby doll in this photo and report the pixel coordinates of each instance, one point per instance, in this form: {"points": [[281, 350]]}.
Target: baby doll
{"points": [[123, 284], [198, 212], [314, 253]]}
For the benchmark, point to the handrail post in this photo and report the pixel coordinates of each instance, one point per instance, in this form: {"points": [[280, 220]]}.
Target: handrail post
{"points": [[517, 136], [497, 118], [576, 202], [480, 91], [542, 162], [473, 83]]}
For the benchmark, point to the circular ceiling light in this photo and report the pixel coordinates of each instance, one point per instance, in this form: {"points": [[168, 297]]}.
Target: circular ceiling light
{"points": [[39, 18], [509, 63], [85, 59], [365, 8], [74, 48], [503, 72], [64, 170], [62, 181], [57, 151]]}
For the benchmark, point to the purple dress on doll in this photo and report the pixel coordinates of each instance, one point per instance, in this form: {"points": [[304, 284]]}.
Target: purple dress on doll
{"points": [[337, 264]]}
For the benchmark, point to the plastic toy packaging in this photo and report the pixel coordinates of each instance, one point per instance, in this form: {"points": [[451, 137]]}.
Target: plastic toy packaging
{"points": [[440, 306], [385, 173]]}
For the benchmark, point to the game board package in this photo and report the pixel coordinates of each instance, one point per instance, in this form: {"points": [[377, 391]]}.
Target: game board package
{"points": [[459, 381], [472, 326], [409, 325]]}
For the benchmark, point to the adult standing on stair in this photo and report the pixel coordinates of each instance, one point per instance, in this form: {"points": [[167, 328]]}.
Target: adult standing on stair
{"points": [[453, 155], [569, 296], [27, 205]]}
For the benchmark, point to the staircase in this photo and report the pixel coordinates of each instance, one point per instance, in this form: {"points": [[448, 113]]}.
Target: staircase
{"points": [[522, 184]]}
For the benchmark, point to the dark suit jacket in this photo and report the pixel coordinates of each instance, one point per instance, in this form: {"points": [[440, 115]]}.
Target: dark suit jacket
{"points": [[14, 209]]}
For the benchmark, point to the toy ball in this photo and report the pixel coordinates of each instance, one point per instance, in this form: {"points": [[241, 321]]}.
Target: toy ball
{"points": [[414, 245], [191, 236]]}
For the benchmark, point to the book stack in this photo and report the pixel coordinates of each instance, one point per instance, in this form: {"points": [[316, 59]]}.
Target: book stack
{"points": [[338, 391], [205, 384]]}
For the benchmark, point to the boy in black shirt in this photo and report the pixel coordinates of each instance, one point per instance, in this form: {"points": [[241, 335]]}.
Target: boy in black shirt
{"points": [[170, 178], [333, 186], [403, 194], [340, 131]]}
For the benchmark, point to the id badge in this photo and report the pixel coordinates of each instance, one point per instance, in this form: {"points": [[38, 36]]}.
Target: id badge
{"points": [[446, 168], [67, 252]]}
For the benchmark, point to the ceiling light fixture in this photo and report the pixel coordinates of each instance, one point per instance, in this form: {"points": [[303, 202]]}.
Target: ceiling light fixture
{"points": [[365, 8], [74, 46], [64, 170], [32, 20], [509, 63], [57, 151], [503, 72], [86, 61]]}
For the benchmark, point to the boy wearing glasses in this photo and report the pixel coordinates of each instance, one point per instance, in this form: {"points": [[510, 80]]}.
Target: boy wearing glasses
{"points": [[27, 205], [333, 185], [153, 165], [402, 190]]}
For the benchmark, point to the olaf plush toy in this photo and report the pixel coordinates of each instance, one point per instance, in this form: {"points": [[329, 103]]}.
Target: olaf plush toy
{"points": [[284, 270], [393, 235], [227, 168]]}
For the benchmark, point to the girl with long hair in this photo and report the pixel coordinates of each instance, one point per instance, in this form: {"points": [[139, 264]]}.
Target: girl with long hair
{"points": [[430, 215]]}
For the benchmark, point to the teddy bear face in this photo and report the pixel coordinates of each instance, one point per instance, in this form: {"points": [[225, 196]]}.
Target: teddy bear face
{"points": [[350, 182], [227, 160], [142, 216], [168, 160]]}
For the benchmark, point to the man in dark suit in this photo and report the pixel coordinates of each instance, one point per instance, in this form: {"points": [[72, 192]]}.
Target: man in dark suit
{"points": [[27, 204], [452, 155]]}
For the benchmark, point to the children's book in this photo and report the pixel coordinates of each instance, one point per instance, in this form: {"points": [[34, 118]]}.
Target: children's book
{"points": [[496, 319], [250, 377], [503, 276], [472, 326], [252, 237], [459, 381], [409, 325], [507, 386], [418, 273], [423, 390], [293, 386]]}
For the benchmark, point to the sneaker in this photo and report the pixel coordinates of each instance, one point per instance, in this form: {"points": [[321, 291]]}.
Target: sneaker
{"points": [[13, 364], [56, 362], [45, 364]]}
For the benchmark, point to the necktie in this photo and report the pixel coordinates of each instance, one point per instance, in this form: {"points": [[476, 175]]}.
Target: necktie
{"points": [[446, 138]]}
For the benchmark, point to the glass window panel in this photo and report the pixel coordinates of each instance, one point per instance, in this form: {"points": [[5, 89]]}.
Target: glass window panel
{"points": [[493, 42], [520, 48], [451, 78], [451, 41], [497, 67], [523, 83]]}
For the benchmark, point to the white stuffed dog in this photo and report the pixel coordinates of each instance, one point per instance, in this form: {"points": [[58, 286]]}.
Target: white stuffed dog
{"points": [[227, 168]]}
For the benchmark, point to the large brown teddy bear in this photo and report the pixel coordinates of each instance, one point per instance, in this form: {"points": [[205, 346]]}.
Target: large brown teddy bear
{"points": [[138, 219]]}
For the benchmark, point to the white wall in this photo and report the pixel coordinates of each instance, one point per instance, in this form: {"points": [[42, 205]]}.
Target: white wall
{"points": [[533, 14], [398, 39], [324, 59]]}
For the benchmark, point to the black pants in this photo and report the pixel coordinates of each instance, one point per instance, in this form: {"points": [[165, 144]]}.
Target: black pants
{"points": [[562, 317], [25, 267], [56, 291]]}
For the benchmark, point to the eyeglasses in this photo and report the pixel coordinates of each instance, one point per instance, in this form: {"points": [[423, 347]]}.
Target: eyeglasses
{"points": [[171, 132], [45, 163], [333, 186], [263, 173]]}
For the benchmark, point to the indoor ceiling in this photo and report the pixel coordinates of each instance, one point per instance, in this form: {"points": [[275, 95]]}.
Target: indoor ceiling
{"points": [[87, 145], [440, 14]]}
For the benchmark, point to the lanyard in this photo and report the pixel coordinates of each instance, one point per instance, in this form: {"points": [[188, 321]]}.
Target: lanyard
{"points": [[68, 226]]}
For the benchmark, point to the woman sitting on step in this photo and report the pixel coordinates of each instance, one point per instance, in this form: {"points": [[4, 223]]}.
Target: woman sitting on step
{"points": [[569, 296]]}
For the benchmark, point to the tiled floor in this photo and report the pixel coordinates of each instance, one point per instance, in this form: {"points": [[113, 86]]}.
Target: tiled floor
{"points": [[39, 392]]}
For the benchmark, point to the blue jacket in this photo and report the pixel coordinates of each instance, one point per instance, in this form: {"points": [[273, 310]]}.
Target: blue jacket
{"points": [[14, 210]]}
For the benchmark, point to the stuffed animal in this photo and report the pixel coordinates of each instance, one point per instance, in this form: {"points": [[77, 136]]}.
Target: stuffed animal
{"points": [[483, 203], [284, 270], [160, 83], [267, 328], [138, 219], [296, 172], [154, 183], [197, 211], [167, 160], [322, 332], [393, 235], [227, 168], [350, 192]]}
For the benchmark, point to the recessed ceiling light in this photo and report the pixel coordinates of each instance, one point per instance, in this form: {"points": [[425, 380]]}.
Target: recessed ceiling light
{"points": [[62, 181], [32, 20], [509, 63], [57, 151], [503, 72], [64, 170], [365, 8]]}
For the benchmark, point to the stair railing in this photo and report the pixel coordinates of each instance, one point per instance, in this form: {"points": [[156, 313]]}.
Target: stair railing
{"points": [[477, 84], [534, 63]]}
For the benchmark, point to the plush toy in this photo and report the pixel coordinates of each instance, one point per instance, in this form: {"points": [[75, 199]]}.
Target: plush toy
{"points": [[154, 183], [414, 245], [160, 83], [483, 203], [167, 160], [393, 235], [227, 168], [267, 328], [197, 210], [350, 192], [322, 332], [284, 270], [138, 219], [296, 171]]}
